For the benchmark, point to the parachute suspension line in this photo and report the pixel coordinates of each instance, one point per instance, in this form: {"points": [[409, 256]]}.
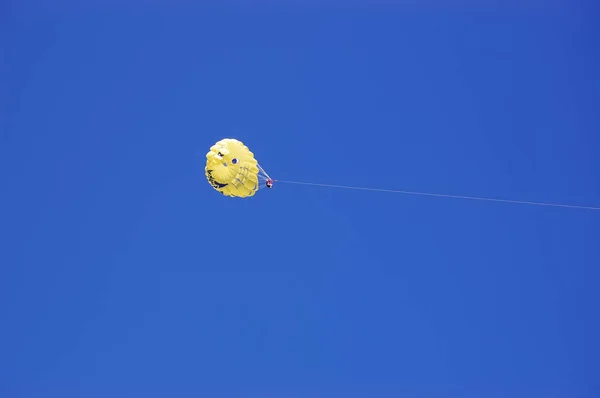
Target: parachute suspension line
{"points": [[263, 170], [263, 178], [439, 195]]}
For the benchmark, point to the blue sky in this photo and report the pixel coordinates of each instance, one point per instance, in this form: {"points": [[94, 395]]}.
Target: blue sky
{"points": [[125, 274]]}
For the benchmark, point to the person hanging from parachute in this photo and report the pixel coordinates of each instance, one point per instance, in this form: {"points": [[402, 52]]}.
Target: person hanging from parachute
{"points": [[233, 171]]}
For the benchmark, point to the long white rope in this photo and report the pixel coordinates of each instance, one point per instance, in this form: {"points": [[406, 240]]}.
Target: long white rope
{"points": [[439, 195]]}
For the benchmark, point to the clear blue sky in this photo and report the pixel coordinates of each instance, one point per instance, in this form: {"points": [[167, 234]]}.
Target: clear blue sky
{"points": [[124, 274]]}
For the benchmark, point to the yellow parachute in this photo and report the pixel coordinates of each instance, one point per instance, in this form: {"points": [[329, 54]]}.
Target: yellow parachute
{"points": [[232, 169]]}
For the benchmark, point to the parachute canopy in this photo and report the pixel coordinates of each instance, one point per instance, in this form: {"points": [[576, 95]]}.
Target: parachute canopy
{"points": [[232, 169]]}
